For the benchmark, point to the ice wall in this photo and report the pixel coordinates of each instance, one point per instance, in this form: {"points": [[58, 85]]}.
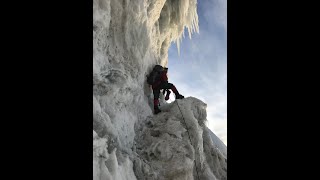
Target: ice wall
{"points": [[176, 144]]}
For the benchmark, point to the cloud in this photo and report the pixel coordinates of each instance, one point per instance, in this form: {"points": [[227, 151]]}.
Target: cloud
{"points": [[201, 69], [213, 94], [214, 13]]}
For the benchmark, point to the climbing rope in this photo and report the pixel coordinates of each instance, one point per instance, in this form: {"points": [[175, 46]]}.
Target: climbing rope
{"points": [[147, 162], [189, 138]]}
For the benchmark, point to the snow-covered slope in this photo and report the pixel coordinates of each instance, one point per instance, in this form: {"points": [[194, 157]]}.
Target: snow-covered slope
{"points": [[129, 37]]}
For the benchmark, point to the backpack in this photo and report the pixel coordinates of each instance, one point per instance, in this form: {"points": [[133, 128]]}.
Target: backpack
{"points": [[154, 75]]}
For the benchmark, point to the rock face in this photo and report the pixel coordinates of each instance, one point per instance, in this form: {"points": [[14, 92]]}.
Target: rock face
{"points": [[129, 142]]}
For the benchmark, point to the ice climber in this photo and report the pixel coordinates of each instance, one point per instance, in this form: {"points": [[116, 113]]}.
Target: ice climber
{"points": [[159, 81]]}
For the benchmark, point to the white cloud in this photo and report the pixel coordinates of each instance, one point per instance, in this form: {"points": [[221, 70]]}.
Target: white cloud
{"points": [[215, 12], [201, 69], [214, 94]]}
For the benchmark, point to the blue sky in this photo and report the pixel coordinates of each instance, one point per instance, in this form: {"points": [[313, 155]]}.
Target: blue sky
{"points": [[201, 69]]}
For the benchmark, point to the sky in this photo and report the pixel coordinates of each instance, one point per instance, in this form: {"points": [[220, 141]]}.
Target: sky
{"points": [[201, 69]]}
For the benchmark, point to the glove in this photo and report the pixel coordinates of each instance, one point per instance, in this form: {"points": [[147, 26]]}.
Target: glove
{"points": [[167, 95], [164, 91]]}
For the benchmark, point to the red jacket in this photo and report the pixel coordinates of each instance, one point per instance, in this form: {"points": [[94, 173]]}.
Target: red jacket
{"points": [[163, 78]]}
